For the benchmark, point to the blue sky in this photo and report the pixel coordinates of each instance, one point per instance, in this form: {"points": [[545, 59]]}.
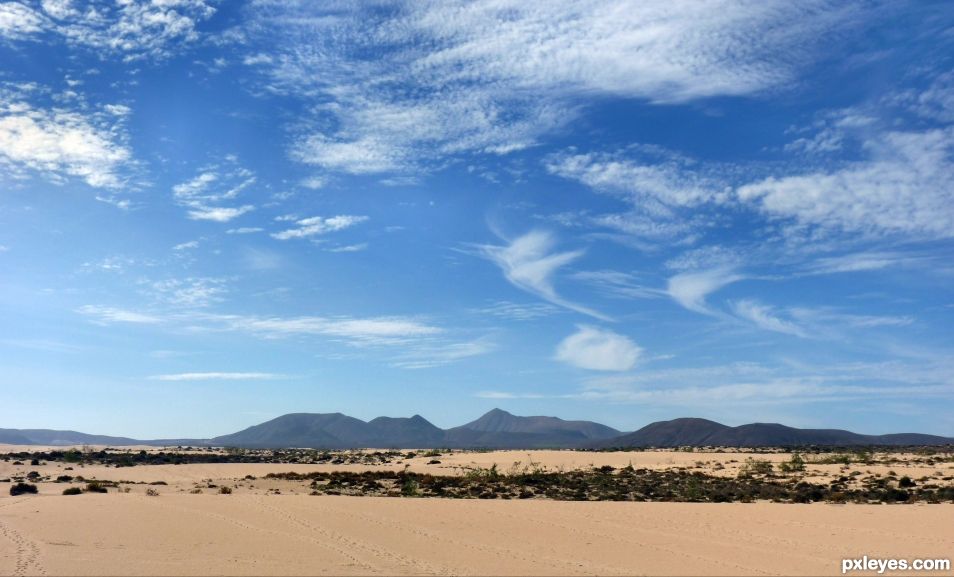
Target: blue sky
{"points": [[214, 213]]}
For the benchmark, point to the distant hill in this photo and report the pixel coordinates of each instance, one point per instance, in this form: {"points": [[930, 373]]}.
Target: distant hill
{"points": [[57, 438], [497, 429], [336, 431], [500, 429], [700, 432]]}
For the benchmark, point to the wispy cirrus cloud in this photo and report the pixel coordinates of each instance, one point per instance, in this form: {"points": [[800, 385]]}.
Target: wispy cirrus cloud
{"points": [[518, 311], [189, 292], [108, 315], [498, 75], [865, 261], [690, 289], [318, 225], [356, 331], [433, 355], [529, 263], [205, 194], [765, 317], [618, 284]]}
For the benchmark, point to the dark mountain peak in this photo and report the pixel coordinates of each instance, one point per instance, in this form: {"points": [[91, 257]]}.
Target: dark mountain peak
{"points": [[500, 428], [417, 422], [492, 420], [497, 429], [702, 432]]}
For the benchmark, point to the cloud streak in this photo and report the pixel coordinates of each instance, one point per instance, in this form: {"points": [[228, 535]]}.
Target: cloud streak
{"points": [[530, 264], [690, 289], [317, 225]]}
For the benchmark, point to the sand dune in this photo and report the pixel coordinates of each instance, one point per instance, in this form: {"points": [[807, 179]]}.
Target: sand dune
{"points": [[182, 534], [254, 531]]}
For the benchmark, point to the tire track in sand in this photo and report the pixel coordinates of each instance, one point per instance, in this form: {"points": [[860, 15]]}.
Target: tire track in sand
{"points": [[354, 561], [415, 566], [558, 565]]}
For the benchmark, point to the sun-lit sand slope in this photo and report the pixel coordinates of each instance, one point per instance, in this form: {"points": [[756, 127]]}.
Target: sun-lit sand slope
{"points": [[183, 534]]}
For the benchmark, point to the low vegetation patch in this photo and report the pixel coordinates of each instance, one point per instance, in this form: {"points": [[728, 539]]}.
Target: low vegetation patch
{"points": [[96, 487], [23, 489], [608, 484]]}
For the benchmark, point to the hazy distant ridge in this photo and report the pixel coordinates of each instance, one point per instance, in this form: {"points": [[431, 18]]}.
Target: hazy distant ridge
{"points": [[701, 432], [496, 429]]}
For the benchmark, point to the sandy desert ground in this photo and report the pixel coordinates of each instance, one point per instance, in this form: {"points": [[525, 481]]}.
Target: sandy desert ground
{"points": [[254, 531]]}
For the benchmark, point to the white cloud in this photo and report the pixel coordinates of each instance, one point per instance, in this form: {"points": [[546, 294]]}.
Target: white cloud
{"points": [[245, 230], [690, 289], [59, 9], [529, 263], [429, 356], [358, 331], [204, 193], [134, 29], [599, 350], [765, 317], [219, 214], [349, 248], [904, 187], [217, 377], [106, 315], [120, 203], [196, 186], [316, 225], [313, 182], [186, 245], [665, 182], [659, 186], [188, 292], [17, 21], [57, 143], [618, 284], [518, 311], [826, 320], [496, 75], [863, 261]]}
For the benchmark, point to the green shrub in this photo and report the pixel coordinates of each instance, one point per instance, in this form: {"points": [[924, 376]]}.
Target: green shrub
{"points": [[755, 467], [22, 488], [409, 488], [152, 492], [95, 487], [794, 465], [72, 491], [223, 490]]}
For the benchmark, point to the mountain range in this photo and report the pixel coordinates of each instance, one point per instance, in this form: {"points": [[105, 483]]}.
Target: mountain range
{"points": [[497, 429]]}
